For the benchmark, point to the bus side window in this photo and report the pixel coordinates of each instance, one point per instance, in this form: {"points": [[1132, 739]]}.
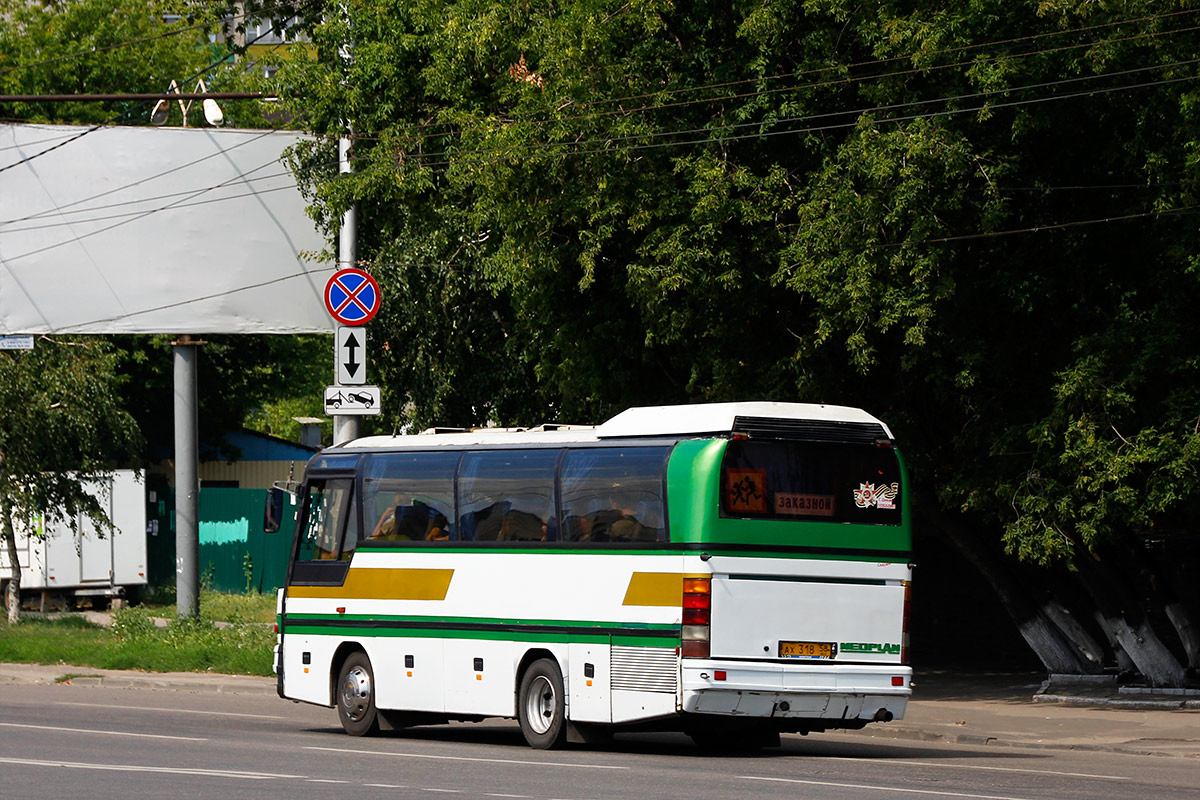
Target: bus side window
{"points": [[409, 496], [613, 494], [508, 495]]}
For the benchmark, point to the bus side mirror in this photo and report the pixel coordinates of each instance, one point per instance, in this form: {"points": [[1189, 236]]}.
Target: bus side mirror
{"points": [[273, 512]]}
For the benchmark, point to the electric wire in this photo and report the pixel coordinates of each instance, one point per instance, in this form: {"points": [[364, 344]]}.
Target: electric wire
{"points": [[1054, 226], [177, 168], [104, 49], [457, 156], [424, 136], [204, 298], [123, 114], [143, 40], [837, 81], [75, 238], [142, 201], [707, 140], [892, 59]]}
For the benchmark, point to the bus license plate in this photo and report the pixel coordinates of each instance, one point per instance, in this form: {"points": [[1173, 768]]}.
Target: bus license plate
{"points": [[807, 650]]}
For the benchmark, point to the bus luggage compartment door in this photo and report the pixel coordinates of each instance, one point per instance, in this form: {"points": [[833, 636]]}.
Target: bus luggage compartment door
{"points": [[807, 619]]}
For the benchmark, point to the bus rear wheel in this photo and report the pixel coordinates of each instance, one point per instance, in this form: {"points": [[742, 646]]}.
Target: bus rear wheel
{"points": [[356, 696], [541, 705]]}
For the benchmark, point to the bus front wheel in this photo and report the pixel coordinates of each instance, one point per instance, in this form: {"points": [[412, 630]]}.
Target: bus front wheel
{"points": [[356, 696], [541, 705]]}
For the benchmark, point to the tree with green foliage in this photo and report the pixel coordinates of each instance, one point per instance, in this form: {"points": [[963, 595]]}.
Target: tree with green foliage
{"points": [[242, 379], [100, 47], [976, 221], [63, 425]]}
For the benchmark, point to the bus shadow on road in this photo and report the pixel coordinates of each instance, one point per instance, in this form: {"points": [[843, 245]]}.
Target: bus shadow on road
{"points": [[507, 735]]}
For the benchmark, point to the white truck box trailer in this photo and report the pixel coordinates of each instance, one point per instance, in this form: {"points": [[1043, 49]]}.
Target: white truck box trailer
{"points": [[60, 562]]}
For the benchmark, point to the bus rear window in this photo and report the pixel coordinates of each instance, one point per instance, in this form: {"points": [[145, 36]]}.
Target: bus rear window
{"points": [[811, 481]]}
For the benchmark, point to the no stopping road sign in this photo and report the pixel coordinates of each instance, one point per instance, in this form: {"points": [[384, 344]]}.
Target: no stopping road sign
{"points": [[352, 296]]}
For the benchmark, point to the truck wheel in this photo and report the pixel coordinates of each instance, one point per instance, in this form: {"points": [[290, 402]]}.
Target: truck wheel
{"points": [[541, 705], [356, 696]]}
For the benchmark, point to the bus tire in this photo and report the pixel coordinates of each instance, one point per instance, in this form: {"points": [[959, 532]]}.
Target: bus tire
{"points": [[541, 705], [356, 696]]}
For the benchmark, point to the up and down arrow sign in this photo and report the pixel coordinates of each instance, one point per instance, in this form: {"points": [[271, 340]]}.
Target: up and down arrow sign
{"points": [[351, 356]]}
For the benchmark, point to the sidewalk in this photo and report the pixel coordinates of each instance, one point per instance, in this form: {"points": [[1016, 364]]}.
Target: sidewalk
{"points": [[128, 679], [1019, 710], [981, 709]]}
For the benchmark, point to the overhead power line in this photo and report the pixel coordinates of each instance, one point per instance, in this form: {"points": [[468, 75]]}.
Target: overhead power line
{"points": [[130, 42], [858, 114], [115, 117], [170, 171], [104, 98], [432, 130]]}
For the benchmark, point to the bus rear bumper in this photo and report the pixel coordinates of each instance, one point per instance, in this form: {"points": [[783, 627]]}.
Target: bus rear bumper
{"points": [[776, 691]]}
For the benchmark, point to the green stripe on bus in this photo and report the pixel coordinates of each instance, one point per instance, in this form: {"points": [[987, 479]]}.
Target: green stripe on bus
{"points": [[485, 635], [393, 619]]}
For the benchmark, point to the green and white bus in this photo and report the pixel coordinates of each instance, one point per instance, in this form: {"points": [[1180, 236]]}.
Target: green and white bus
{"points": [[729, 570]]}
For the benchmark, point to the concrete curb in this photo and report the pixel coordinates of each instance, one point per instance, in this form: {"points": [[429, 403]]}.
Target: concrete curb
{"points": [[50, 674], [924, 735], [1131, 704]]}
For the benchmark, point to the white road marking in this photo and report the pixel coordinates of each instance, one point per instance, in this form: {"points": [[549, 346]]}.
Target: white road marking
{"points": [[895, 762], [170, 710], [210, 773], [386, 785], [102, 733], [889, 789], [465, 758]]}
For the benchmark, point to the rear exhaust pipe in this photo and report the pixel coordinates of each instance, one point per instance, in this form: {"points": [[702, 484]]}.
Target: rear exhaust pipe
{"points": [[883, 715]]}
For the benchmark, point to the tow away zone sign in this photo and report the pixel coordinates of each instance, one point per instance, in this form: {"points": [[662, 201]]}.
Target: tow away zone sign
{"points": [[347, 400]]}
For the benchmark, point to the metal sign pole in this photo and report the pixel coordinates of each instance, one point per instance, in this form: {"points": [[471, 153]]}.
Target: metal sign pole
{"points": [[345, 427]]}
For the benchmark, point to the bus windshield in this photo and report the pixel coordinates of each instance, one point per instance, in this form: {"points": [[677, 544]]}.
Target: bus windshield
{"points": [[811, 480]]}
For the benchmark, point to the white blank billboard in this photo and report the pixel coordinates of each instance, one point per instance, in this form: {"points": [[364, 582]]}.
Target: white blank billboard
{"points": [[155, 230]]}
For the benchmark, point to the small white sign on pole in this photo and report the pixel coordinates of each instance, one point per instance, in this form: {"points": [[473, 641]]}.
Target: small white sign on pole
{"points": [[16, 342], [351, 355], [347, 400]]}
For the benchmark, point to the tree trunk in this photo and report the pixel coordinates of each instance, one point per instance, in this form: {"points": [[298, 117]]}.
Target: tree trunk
{"points": [[13, 595], [1053, 644], [1062, 617], [1185, 625], [1126, 623], [1180, 578], [1124, 662]]}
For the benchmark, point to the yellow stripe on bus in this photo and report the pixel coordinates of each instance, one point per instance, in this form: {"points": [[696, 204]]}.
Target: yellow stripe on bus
{"points": [[656, 589], [383, 584]]}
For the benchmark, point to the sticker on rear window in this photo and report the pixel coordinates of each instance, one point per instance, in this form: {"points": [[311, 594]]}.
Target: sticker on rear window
{"points": [[868, 495], [808, 505], [746, 491]]}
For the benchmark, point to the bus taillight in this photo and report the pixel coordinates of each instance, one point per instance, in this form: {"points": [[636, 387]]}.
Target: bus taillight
{"points": [[904, 629], [697, 616]]}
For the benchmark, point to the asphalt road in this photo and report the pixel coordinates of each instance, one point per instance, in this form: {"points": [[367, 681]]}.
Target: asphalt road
{"points": [[98, 743]]}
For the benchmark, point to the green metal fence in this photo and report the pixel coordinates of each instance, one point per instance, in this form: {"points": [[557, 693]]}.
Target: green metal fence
{"points": [[236, 555]]}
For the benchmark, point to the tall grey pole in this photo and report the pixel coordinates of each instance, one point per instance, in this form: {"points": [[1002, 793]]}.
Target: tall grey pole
{"points": [[187, 483], [345, 426]]}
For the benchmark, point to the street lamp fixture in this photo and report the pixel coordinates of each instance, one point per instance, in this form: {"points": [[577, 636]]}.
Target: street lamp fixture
{"points": [[162, 109]]}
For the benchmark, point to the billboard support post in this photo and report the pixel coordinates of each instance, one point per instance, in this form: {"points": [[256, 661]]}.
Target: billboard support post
{"points": [[187, 483]]}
